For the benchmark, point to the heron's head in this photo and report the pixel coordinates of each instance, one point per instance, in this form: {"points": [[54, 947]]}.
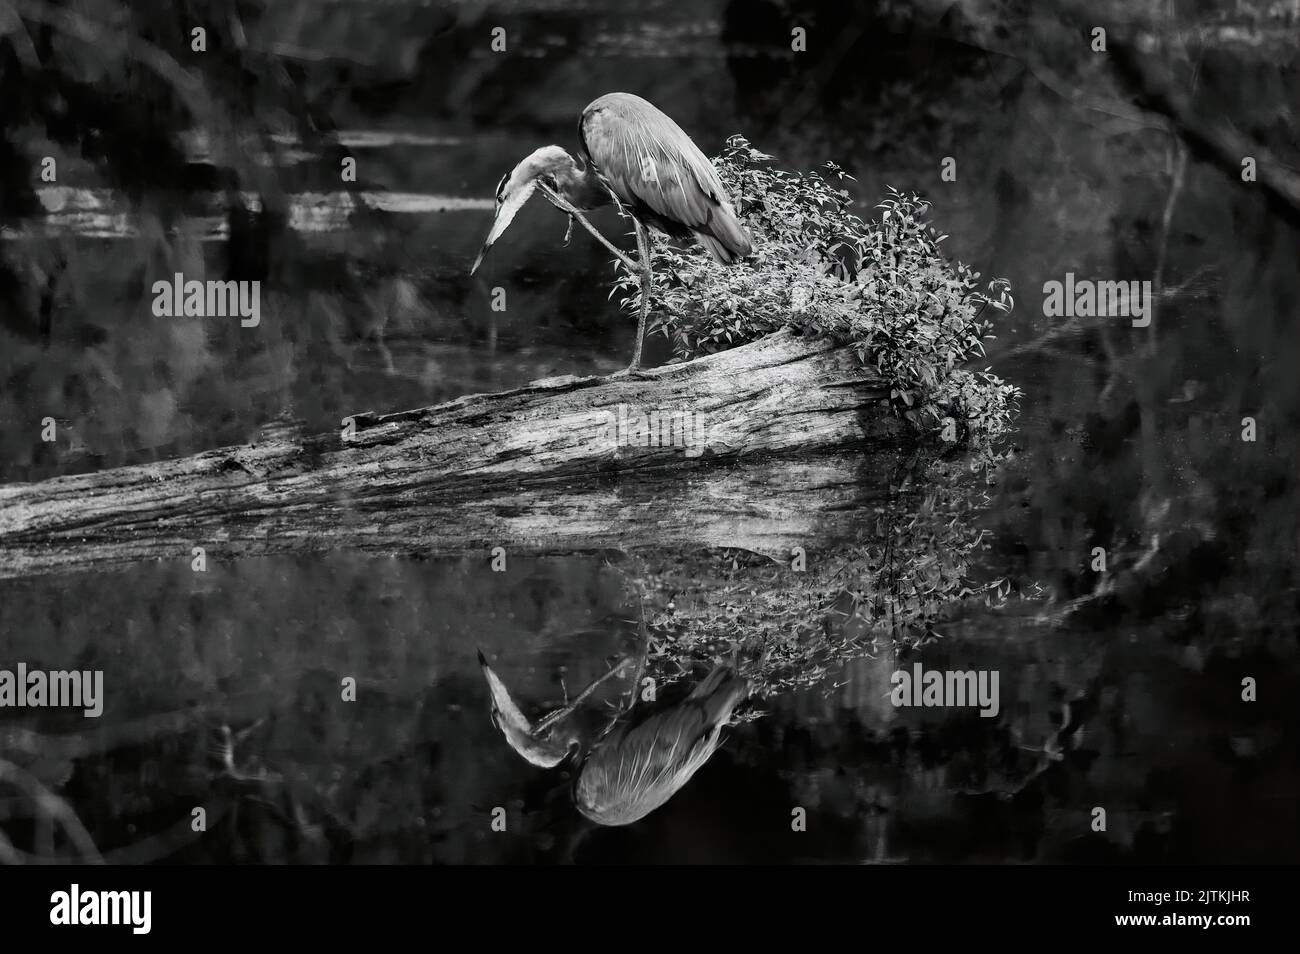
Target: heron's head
{"points": [[562, 741], [517, 185]]}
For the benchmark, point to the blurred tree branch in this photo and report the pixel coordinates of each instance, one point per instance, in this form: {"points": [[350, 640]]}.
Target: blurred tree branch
{"points": [[52, 808], [187, 87], [1212, 139]]}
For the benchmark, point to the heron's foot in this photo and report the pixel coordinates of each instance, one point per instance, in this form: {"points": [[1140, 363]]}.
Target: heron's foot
{"points": [[631, 373]]}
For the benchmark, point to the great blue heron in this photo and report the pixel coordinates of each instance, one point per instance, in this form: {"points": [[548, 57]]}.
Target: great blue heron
{"points": [[636, 156], [636, 764]]}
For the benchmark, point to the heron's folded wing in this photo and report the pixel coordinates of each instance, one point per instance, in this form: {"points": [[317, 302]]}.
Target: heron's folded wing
{"points": [[658, 750], [647, 158]]}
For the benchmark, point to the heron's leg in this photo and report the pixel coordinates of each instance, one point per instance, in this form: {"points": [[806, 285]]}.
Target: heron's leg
{"points": [[581, 697], [564, 205], [633, 370], [630, 699], [643, 631], [643, 247]]}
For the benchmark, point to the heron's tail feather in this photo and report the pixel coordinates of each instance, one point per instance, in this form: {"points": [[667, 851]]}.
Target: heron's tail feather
{"points": [[724, 237], [721, 691], [718, 675]]}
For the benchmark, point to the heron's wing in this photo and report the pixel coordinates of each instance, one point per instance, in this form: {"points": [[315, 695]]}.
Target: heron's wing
{"points": [[648, 160], [636, 771], [639, 769]]}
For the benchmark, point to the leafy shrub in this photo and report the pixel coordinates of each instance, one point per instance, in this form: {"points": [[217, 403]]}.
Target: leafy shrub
{"points": [[882, 286]]}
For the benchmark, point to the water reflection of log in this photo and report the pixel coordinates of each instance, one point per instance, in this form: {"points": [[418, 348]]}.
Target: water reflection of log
{"points": [[889, 574], [545, 468]]}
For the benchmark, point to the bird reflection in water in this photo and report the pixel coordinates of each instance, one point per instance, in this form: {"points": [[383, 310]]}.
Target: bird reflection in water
{"points": [[641, 757]]}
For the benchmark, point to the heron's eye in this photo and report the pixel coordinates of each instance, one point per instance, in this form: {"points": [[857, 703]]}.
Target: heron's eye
{"points": [[501, 188]]}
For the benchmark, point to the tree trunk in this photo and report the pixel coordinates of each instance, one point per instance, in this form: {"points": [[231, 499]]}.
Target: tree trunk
{"points": [[554, 466]]}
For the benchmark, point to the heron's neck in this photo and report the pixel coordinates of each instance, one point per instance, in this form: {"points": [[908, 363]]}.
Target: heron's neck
{"points": [[579, 184]]}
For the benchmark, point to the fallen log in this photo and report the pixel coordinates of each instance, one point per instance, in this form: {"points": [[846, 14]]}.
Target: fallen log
{"points": [[758, 457]]}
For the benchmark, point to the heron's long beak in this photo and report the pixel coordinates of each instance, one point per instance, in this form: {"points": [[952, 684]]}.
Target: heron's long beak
{"points": [[478, 260], [506, 212], [504, 710]]}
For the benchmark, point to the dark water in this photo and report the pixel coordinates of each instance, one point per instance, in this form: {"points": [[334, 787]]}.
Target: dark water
{"points": [[1128, 436]]}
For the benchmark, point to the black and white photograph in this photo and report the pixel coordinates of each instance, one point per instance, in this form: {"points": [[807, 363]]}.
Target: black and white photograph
{"points": [[676, 432]]}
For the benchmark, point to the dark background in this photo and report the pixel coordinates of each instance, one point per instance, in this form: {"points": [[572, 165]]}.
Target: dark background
{"points": [[1064, 163]]}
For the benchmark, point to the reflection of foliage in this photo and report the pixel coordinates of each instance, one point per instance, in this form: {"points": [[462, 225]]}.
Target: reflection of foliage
{"points": [[884, 287], [912, 569]]}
